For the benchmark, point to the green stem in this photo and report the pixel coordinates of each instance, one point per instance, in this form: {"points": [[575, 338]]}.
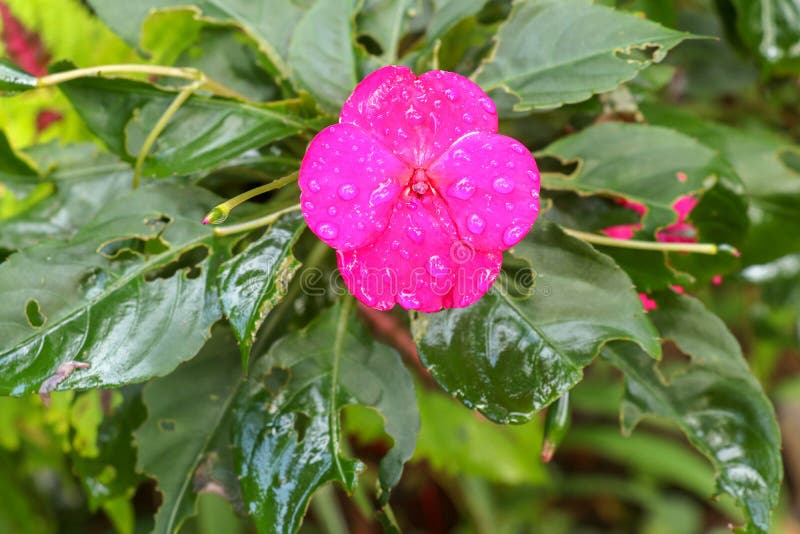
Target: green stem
{"points": [[698, 248], [173, 108], [220, 212], [255, 223]]}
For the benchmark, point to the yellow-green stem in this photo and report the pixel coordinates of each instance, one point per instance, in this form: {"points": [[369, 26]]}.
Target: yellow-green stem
{"points": [[255, 223], [182, 97], [697, 248], [226, 207]]}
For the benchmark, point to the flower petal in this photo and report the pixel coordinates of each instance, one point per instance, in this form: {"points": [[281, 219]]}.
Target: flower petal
{"points": [[418, 262], [419, 118], [490, 183], [349, 185]]}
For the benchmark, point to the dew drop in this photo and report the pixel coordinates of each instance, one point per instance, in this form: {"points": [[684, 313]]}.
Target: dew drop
{"points": [[404, 254], [451, 94], [462, 189], [347, 191], [466, 117], [402, 133], [327, 231], [437, 104], [354, 148], [513, 235], [476, 224], [314, 186], [395, 244], [332, 211], [460, 154], [408, 301], [533, 176], [493, 163], [414, 234], [488, 105], [413, 116], [308, 206], [519, 149], [503, 185], [436, 266]]}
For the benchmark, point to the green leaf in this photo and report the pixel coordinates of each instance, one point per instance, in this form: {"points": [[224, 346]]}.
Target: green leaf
{"points": [[202, 134], [15, 167], [13, 79], [287, 430], [554, 52], [134, 295], [771, 29], [715, 401], [384, 21], [84, 179], [188, 413], [509, 357], [321, 53], [254, 281], [455, 441]]}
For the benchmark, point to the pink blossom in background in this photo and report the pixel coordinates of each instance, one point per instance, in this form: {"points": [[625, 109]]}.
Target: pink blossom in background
{"points": [[417, 191], [647, 303], [677, 232], [23, 47]]}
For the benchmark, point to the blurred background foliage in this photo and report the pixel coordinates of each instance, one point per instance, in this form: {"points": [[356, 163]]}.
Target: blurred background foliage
{"points": [[69, 469]]}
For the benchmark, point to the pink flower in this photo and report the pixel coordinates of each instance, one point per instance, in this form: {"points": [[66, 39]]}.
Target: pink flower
{"points": [[417, 192], [647, 303], [677, 232]]}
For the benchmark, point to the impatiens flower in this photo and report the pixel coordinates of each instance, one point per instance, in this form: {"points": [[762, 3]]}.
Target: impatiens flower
{"points": [[677, 232], [417, 191]]}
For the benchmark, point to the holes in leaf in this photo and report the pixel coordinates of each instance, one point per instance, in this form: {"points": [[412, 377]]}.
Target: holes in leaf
{"points": [[127, 248], [188, 262], [167, 425], [275, 380], [34, 314], [158, 223], [554, 165], [301, 424], [369, 43], [641, 54], [92, 281]]}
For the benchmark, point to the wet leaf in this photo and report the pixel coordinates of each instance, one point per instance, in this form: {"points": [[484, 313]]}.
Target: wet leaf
{"points": [[525, 353], [714, 400], [253, 282], [188, 419], [539, 61], [135, 295], [287, 431]]}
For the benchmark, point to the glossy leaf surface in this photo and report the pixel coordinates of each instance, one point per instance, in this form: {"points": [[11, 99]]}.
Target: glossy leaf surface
{"points": [[133, 298], [509, 357], [287, 432], [715, 401]]}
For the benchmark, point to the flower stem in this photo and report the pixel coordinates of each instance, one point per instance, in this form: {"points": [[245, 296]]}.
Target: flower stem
{"points": [[173, 108], [697, 248], [220, 212], [255, 223], [185, 73]]}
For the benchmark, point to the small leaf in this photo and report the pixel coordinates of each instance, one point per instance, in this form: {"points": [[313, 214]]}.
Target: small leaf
{"points": [[15, 166], [13, 79], [188, 415], [135, 295], [525, 353], [714, 400], [287, 432], [555, 52], [254, 281]]}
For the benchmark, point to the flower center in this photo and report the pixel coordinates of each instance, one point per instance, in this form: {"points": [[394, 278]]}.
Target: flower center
{"points": [[419, 182]]}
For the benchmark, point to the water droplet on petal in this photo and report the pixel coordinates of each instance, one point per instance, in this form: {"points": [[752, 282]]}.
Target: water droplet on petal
{"points": [[462, 189], [519, 149], [332, 211], [347, 191], [308, 206], [488, 105], [402, 133], [437, 267], [513, 235], [314, 186], [451, 94], [327, 231], [532, 175], [476, 224], [413, 116], [414, 234], [503, 185], [466, 117], [404, 254], [395, 244], [408, 301]]}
